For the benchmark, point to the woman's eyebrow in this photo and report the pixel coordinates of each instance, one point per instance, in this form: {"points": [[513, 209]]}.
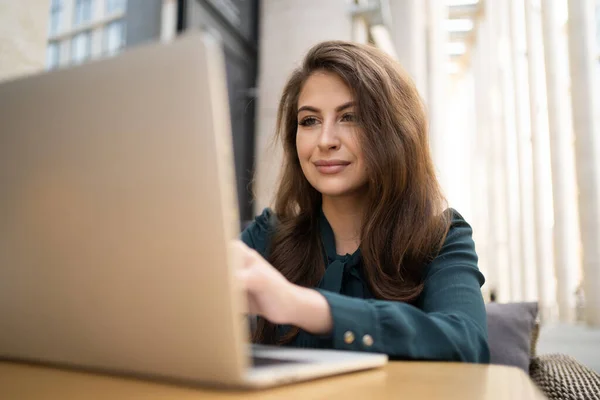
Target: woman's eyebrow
{"points": [[308, 108], [345, 106], [337, 109]]}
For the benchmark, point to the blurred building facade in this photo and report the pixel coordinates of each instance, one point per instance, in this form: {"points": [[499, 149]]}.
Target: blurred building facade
{"points": [[511, 89], [80, 30], [84, 30], [23, 34]]}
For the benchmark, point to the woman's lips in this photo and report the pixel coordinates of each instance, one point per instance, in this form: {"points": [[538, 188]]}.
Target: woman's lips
{"points": [[331, 167]]}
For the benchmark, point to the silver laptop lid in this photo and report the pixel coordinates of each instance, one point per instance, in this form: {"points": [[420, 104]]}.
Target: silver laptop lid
{"points": [[117, 203]]}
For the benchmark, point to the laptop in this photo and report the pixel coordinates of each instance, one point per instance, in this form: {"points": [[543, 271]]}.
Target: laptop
{"points": [[117, 208]]}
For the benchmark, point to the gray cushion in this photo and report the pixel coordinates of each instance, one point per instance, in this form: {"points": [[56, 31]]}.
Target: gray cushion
{"points": [[510, 329]]}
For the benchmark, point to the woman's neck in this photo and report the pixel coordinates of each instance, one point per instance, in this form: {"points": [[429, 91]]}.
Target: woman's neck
{"points": [[344, 215]]}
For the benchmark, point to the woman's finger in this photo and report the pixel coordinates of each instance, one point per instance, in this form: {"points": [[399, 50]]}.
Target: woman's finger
{"points": [[250, 277], [243, 277], [252, 305], [242, 251]]}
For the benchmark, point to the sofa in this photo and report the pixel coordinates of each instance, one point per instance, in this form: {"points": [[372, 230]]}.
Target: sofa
{"points": [[513, 331]]}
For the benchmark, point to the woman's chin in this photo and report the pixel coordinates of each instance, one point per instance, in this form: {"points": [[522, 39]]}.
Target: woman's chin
{"points": [[335, 193], [339, 191]]}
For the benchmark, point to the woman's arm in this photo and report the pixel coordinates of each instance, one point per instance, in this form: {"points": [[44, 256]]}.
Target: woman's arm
{"points": [[449, 324]]}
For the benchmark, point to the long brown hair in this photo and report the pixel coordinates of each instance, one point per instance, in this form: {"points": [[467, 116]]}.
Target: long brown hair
{"points": [[406, 225]]}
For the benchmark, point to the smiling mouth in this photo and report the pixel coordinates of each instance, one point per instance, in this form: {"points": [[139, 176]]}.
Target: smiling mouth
{"points": [[331, 167]]}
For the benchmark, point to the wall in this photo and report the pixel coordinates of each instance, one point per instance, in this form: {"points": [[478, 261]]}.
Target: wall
{"points": [[23, 29]]}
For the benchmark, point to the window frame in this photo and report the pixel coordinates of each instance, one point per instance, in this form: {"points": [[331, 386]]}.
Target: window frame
{"points": [[88, 35], [79, 10], [106, 32], [56, 11]]}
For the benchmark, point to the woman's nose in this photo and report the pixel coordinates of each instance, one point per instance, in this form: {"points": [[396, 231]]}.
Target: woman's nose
{"points": [[329, 139]]}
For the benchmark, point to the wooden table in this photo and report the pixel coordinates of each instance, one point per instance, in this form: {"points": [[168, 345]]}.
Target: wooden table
{"points": [[398, 380]]}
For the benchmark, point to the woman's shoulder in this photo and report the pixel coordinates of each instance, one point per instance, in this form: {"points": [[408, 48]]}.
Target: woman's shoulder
{"points": [[458, 247], [258, 232], [459, 227]]}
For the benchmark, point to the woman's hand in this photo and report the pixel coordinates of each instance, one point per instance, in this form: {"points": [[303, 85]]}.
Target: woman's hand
{"points": [[272, 296]]}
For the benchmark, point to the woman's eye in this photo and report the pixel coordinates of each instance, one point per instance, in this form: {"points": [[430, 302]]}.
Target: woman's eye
{"points": [[349, 118], [308, 121]]}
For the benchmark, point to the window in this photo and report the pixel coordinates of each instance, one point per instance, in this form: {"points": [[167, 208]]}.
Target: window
{"points": [[115, 6], [52, 55], [56, 8], [114, 36], [81, 47], [83, 11]]}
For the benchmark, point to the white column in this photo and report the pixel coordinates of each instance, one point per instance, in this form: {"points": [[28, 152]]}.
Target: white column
{"points": [[499, 216], [566, 236], [437, 37], [584, 102], [510, 160], [360, 30], [23, 35], [523, 150], [360, 26], [383, 40], [289, 28], [540, 154], [408, 33], [483, 232]]}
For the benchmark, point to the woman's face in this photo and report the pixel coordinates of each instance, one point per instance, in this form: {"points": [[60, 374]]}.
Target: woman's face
{"points": [[327, 136]]}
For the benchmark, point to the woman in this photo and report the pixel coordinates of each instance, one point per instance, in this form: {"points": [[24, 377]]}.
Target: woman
{"points": [[358, 252]]}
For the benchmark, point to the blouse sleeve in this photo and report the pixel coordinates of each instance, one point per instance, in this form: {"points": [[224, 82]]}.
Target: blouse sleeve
{"points": [[257, 233], [448, 324]]}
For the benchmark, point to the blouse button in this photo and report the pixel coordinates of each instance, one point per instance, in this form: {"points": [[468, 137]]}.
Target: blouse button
{"points": [[367, 340], [349, 337]]}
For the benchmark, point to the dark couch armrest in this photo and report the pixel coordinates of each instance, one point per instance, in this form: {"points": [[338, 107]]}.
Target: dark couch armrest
{"points": [[561, 377]]}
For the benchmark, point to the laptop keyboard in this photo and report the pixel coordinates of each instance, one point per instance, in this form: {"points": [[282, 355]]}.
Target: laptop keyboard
{"points": [[258, 361]]}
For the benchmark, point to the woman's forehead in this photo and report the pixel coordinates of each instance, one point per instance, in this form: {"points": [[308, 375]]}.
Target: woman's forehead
{"points": [[324, 89]]}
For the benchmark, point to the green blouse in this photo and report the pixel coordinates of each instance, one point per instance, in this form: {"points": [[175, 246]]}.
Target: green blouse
{"points": [[448, 321]]}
